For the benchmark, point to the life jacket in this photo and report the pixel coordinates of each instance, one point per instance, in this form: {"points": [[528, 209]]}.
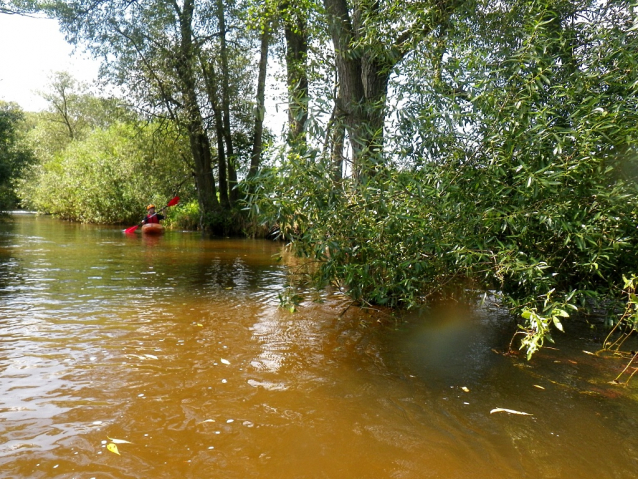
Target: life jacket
{"points": [[152, 219]]}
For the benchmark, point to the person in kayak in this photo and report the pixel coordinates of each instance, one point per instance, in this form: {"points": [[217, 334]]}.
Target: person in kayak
{"points": [[151, 216]]}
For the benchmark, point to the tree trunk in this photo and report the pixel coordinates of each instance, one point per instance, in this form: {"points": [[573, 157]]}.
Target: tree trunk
{"points": [[363, 71], [295, 31], [260, 108], [221, 159], [210, 79], [228, 139], [337, 132], [199, 142], [360, 84]]}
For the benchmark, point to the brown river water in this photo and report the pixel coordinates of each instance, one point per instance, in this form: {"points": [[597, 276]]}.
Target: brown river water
{"points": [[178, 345]]}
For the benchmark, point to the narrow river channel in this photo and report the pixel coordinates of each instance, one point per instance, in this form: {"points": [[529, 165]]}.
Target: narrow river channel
{"points": [[177, 345]]}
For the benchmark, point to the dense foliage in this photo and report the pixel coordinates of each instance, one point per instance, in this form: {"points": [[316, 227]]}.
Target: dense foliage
{"points": [[96, 160], [109, 177], [15, 156], [510, 167]]}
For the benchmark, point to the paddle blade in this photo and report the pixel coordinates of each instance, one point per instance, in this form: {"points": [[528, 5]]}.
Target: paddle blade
{"points": [[131, 229], [173, 202]]}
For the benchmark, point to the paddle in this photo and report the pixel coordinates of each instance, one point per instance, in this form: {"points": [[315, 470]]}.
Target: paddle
{"points": [[173, 202]]}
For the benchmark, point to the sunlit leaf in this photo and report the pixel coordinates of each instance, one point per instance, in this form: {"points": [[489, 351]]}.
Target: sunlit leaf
{"points": [[119, 441], [113, 448], [557, 323], [510, 411]]}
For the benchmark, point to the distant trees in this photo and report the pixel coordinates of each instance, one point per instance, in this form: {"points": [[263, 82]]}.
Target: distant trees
{"points": [[109, 176], [96, 160], [15, 156]]}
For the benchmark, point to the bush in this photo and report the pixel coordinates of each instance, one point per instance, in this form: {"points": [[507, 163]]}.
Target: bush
{"points": [[184, 217], [109, 177]]}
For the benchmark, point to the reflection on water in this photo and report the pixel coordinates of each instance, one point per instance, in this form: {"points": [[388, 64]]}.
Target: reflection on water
{"points": [[176, 344]]}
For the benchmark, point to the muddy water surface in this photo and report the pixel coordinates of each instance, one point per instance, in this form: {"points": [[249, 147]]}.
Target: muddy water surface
{"points": [[177, 345]]}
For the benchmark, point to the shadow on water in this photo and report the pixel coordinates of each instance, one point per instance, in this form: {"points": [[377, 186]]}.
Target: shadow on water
{"points": [[177, 345]]}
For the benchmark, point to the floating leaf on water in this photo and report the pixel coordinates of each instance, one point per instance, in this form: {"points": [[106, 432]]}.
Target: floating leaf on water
{"points": [[539, 387], [119, 441], [464, 389], [113, 448], [509, 411], [225, 361]]}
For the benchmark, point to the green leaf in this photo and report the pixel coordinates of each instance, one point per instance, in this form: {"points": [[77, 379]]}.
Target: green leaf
{"points": [[557, 323]]}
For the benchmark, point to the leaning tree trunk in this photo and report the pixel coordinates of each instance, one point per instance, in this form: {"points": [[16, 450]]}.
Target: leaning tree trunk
{"points": [[199, 141]]}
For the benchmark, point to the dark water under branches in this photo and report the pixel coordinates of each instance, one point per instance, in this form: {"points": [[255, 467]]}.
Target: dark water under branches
{"points": [[177, 344]]}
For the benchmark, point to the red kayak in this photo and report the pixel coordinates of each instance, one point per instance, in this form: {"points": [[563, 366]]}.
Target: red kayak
{"points": [[148, 228], [152, 229]]}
